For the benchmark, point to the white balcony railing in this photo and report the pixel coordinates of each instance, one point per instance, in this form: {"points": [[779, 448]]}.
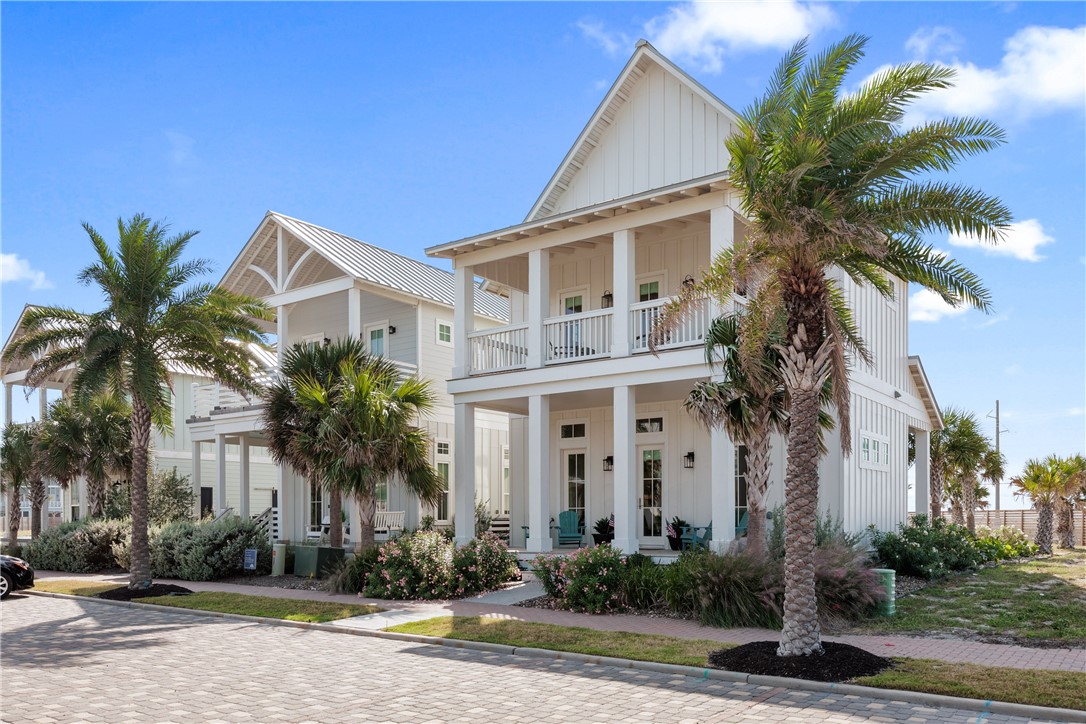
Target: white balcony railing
{"points": [[643, 317], [495, 350], [582, 336]]}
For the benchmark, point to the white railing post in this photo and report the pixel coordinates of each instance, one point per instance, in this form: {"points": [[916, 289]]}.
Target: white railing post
{"points": [[624, 271], [539, 293]]}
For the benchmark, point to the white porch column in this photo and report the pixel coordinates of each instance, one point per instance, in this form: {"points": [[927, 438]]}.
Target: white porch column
{"points": [[625, 281], [354, 313], [7, 403], [197, 476], [721, 237], [539, 474], [84, 502], [243, 476], [922, 469], [463, 319], [539, 295], [722, 488], [626, 521], [464, 472], [220, 473], [281, 333]]}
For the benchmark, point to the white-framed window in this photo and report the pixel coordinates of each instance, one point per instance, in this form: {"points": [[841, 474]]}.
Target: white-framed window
{"points": [[380, 494], [650, 424], [572, 301], [575, 483], [56, 500], [443, 467], [507, 481], [444, 333], [376, 338], [874, 451], [571, 430], [316, 507], [740, 483], [315, 338]]}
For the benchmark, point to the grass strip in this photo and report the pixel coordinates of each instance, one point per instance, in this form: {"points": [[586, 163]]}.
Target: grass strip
{"points": [[639, 647], [1043, 598], [1022, 686], [288, 609]]}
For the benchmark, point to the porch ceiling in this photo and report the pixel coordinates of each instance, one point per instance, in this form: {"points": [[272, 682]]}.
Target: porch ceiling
{"points": [[599, 397]]}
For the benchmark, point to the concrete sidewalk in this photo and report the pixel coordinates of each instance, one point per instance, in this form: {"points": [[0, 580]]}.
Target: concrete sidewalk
{"points": [[951, 650]]}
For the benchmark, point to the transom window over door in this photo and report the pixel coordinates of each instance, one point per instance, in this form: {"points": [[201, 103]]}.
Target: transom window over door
{"points": [[575, 484]]}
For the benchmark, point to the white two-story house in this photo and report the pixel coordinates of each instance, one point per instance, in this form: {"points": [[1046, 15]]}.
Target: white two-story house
{"points": [[639, 206], [322, 285]]}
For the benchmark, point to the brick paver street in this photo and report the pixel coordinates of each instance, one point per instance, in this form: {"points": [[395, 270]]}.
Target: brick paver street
{"points": [[81, 660]]}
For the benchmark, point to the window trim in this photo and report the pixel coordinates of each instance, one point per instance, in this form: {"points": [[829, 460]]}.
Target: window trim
{"points": [[383, 326], [445, 459], [438, 323], [648, 278], [879, 451], [581, 291]]}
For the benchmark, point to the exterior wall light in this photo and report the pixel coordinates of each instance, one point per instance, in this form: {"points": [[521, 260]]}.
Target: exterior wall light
{"points": [[607, 300], [688, 460], [609, 463]]}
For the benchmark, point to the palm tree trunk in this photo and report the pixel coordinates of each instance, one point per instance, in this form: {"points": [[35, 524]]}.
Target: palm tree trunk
{"points": [[758, 469], [957, 514], [935, 488], [96, 494], [1044, 527], [140, 561], [969, 501], [15, 517], [367, 509], [335, 519], [37, 501], [801, 634], [1065, 523]]}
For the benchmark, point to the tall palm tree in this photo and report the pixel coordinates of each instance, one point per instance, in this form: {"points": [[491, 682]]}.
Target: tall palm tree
{"points": [[831, 182], [1045, 482], [1075, 494], [156, 318], [347, 420], [18, 465]]}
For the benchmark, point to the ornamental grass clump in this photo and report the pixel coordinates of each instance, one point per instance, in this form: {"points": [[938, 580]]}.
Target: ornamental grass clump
{"points": [[587, 580]]}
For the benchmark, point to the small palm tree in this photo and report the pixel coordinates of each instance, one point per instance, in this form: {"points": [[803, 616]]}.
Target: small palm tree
{"points": [[62, 446], [18, 465], [1045, 482], [963, 448], [109, 444], [830, 182], [1075, 496], [156, 318], [347, 420]]}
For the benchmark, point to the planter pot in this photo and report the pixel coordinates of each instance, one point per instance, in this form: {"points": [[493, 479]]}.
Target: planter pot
{"points": [[315, 560], [675, 542], [601, 538]]}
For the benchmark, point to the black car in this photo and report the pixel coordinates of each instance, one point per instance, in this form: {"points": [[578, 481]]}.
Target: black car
{"points": [[15, 575]]}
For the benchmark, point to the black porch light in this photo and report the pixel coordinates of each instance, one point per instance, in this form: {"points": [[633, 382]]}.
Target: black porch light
{"points": [[688, 282], [609, 463], [688, 460], [607, 300]]}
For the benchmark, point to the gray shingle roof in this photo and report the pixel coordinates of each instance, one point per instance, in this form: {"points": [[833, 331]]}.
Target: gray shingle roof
{"points": [[389, 269]]}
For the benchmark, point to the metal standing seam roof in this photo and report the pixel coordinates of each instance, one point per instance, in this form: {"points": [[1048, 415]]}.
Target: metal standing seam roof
{"points": [[388, 269]]}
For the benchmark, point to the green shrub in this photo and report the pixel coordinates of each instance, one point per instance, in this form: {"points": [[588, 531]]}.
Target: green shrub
{"points": [[84, 546], [1004, 543], [350, 574], [428, 565], [646, 582], [483, 564], [928, 549], [483, 517], [203, 551], [828, 530], [169, 498], [589, 580]]}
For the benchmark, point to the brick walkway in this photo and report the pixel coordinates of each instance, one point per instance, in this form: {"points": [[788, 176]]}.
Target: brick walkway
{"points": [[70, 660], [952, 650]]}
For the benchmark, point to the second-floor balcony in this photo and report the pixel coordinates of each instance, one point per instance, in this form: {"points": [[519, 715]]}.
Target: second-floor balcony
{"points": [[581, 337]]}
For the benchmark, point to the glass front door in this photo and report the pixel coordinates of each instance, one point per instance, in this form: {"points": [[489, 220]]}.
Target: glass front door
{"points": [[575, 484], [650, 501]]}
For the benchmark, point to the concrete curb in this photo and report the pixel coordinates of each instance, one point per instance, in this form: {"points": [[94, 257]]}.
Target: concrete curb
{"points": [[912, 697]]}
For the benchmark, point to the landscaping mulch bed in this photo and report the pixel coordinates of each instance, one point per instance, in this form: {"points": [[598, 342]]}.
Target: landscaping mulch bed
{"points": [[840, 662], [297, 583], [156, 589]]}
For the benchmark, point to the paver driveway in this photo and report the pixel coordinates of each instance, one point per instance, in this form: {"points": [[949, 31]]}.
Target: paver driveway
{"points": [[65, 660]]}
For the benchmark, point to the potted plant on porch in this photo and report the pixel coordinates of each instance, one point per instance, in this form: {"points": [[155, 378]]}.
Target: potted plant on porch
{"points": [[604, 530], [675, 532]]}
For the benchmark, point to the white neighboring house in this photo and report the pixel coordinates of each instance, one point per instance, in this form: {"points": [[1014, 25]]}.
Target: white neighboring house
{"points": [[640, 204], [323, 285], [171, 450]]}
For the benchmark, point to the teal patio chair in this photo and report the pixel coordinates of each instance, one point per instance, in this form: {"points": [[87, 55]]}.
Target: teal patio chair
{"points": [[741, 526], [692, 541], [570, 528]]}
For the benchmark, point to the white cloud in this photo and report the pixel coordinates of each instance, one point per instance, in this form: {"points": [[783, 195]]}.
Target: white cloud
{"points": [[927, 306], [14, 268], [703, 33], [1012, 370], [935, 42], [1022, 239], [180, 147], [992, 321], [1041, 71], [1075, 412]]}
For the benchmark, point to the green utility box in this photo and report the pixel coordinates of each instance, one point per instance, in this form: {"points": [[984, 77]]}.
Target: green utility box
{"points": [[888, 577], [314, 561]]}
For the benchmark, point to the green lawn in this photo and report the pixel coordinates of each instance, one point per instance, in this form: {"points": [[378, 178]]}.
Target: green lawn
{"points": [[1040, 599], [239, 603], [1042, 688]]}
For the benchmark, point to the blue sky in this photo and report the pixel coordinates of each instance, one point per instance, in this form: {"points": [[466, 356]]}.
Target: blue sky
{"points": [[408, 125]]}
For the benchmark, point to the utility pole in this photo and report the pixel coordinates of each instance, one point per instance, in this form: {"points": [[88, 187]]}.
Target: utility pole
{"points": [[998, 482]]}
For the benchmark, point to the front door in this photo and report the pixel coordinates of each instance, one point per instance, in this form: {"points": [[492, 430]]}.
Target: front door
{"points": [[575, 484], [650, 499]]}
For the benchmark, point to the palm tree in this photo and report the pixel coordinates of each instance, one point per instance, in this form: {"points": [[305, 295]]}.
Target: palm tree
{"points": [[156, 318], [963, 448], [1075, 495], [18, 466], [62, 446], [109, 444], [830, 182], [346, 419], [1046, 482]]}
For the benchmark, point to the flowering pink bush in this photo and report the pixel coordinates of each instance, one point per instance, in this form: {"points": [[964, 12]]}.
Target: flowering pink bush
{"points": [[428, 565], [589, 580]]}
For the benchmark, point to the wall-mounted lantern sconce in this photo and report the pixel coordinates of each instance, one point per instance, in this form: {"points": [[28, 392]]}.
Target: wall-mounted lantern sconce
{"points": [[327, 341], [609, 463], [688, 282], [391, 329], [688, 460], [607, 300]]}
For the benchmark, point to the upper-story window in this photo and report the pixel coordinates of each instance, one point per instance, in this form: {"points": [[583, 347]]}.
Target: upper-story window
{"points": [[444, 333], [573, 304], [648, 291]]}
